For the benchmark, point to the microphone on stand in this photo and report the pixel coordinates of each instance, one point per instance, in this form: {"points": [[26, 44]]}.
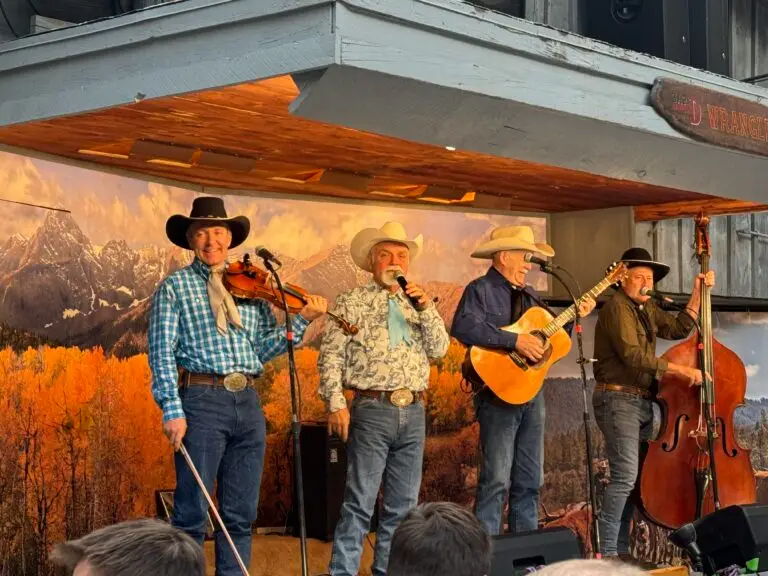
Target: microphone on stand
{"points": [[656, 295], [265, 254], [536, 260], [400, 277]]}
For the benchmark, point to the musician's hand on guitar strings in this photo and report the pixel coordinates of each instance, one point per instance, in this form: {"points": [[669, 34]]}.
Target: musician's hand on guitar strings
{"points": [[338, 423], [586, 305], [175, 430], [530, 347]]}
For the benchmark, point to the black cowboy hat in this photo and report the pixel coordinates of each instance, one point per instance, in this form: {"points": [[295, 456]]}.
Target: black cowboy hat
{"points": [[210, 210], [641, 257]]}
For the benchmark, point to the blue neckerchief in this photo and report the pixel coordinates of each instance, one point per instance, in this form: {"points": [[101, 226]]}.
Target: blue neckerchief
{"points": [[397, 325]]}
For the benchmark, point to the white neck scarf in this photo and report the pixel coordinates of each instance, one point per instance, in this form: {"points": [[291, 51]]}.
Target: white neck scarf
{"points": [[222, 303]]}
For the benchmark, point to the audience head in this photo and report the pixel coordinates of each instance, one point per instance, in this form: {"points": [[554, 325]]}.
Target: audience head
{"points": [[440, 538], [147, 547], [590, 568]]}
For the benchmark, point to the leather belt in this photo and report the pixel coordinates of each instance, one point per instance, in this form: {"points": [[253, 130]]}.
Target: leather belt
{"points": [[602, 387], [401, 397], [234, 382]]}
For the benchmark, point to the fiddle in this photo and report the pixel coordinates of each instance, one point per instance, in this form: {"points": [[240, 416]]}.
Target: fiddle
{"points": [[245, 280]]}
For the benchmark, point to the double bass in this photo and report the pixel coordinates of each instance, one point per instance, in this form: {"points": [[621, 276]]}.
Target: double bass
{"points": [[695, 465]]}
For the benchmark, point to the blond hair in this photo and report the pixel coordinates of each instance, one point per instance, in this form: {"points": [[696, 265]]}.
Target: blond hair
{"points": [[590, 568]]}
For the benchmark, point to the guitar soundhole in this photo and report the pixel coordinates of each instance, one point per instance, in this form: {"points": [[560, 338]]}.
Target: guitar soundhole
{"points": [[524, 363]]}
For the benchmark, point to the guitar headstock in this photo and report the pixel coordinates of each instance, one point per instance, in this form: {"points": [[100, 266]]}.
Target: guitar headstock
{"points": [[616, 273]]}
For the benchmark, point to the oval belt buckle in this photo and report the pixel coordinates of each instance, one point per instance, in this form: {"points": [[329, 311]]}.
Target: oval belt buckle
{"points": [[401, 397], [235, 382]]}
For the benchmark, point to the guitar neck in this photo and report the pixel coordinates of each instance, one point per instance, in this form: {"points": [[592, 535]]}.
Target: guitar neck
{"points": [[569, 314]]}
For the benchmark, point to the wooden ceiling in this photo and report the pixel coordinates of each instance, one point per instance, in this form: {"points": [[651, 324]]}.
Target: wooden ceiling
{"points": [[243, 138]]}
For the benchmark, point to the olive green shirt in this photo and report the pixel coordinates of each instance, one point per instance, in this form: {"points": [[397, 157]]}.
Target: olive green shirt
{"points": [[625, 349]]}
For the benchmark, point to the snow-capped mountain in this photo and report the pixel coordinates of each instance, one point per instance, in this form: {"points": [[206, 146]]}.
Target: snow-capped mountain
{"points": [[56, 284]]}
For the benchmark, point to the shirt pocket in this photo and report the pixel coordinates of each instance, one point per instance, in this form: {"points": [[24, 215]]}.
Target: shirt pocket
{"points": [[496, 315]]}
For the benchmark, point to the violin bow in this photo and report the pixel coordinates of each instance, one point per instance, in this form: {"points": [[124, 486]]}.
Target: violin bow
{"points": [[240, 562]]}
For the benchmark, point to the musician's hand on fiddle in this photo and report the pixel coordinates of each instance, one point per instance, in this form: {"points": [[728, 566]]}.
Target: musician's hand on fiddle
{"points": [[338, 423], [529, 346], [175, 430], [586, 305], [418, 293], [316, 306]]}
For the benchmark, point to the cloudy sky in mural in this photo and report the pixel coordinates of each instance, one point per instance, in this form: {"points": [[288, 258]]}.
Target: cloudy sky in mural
{"points": [[110, 207]]}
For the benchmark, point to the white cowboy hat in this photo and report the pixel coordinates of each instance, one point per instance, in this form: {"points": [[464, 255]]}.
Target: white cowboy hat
{"points": [[511, 238], [367, 238]]}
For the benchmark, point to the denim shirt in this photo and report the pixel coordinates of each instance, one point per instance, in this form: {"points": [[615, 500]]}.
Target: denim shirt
{"points": [[486, 306]]}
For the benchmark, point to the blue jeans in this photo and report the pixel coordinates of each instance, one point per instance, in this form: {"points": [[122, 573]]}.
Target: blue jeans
{"points": [[384, 442], [625, 420], [512, 446], [226, 438]]}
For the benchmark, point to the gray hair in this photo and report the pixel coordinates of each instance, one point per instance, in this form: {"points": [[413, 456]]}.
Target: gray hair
{"points": [[590, 568], [147, 547], [440, 538]]}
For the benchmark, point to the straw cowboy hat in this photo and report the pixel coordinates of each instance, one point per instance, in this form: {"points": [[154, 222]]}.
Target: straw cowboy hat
{"points": [[511, 238], [367, 238], [641, 257], [210, 210]]}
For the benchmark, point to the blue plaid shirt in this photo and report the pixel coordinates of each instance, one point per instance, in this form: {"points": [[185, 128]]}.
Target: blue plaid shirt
{"points": [[182, 332]]}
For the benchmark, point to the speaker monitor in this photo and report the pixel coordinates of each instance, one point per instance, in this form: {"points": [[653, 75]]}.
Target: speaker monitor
{"points": [[516, 553], [691, 32], [324, 474], [733, 535]]}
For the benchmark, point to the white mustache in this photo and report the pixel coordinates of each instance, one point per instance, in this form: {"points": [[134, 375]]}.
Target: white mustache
{"points": [[389, 275]]}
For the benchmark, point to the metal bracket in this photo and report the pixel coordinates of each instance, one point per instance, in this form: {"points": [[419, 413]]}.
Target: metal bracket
{"points": [[751, 233]]}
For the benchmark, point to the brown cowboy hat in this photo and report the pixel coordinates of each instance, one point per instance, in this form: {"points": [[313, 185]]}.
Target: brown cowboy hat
{"points": [[210, 210]]}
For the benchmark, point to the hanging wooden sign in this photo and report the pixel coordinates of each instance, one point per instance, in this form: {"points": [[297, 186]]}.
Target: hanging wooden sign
{"points": [[711, 116]]}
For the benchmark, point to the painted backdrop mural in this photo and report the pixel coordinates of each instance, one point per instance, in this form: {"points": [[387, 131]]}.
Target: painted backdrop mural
{"points": [[79, 431]]}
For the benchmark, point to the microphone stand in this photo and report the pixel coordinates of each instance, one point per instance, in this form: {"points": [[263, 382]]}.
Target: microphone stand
{"points": [[587, 431], [295, 423]]}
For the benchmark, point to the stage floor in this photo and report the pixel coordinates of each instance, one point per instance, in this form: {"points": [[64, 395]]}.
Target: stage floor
{"points": [[274, 555], [279, 556]]}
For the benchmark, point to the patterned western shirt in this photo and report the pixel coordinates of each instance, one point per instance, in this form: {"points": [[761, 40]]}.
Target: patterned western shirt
{"points": [[364, 361], [182, 332]]}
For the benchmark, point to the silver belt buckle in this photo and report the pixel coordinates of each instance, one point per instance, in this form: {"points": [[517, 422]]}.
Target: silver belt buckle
{"points": [[235, 382], [401, 397]]}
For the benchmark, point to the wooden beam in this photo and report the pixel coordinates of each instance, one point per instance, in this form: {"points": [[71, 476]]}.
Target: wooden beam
{"points": [[669, 210]]}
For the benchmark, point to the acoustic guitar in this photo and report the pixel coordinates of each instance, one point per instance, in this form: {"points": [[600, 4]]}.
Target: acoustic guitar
{"points": [[513, 377]]}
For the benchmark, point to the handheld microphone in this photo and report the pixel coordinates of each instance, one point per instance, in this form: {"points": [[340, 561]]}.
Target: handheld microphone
{"points": [[265, 254], [536, 260], [656, 295], [400, 277]]}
